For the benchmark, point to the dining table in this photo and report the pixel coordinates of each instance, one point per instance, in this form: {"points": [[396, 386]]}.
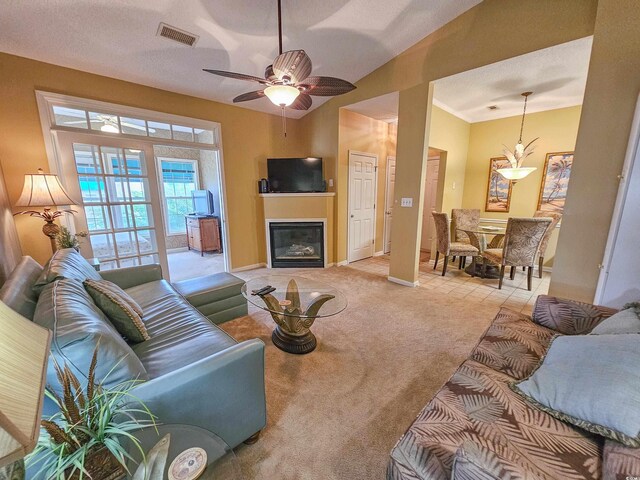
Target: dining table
{"points": [[484, 237]]}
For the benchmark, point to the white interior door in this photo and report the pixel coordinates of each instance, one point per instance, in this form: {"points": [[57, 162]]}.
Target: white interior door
{"points": [[388, 202], [619, 281], [362, 207], [431, 188]]}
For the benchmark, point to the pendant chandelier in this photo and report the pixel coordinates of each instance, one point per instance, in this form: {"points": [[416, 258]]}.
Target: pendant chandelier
{"points": [[520, 152]]}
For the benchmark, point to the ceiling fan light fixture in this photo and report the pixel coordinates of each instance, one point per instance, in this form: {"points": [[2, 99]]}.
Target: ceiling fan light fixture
{"points": [[109, 128], [282, 95]]}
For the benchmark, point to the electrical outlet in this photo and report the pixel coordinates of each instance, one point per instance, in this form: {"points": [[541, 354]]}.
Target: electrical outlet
{"points": [[406, 202], [331, 182]]}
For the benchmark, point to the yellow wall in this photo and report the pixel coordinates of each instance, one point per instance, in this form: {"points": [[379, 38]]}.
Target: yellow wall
{"points": [[450, 134], [248, 138], [557, 131], [469, 41], [362, 134], [607, 112]]}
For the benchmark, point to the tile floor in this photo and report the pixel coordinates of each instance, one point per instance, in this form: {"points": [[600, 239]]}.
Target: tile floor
{"points": [[457, 284]]}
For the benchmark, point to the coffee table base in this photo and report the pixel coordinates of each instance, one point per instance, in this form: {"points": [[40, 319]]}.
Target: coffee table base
{"points": [[294, 344]]}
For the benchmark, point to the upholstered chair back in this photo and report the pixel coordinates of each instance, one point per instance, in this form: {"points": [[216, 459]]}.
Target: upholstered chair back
{"points": [[464, 218], [522, 240], [555, 218], [442, 231]]}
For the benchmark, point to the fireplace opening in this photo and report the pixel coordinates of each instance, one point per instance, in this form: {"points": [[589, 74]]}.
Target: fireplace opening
{"points": [[296, 244]]}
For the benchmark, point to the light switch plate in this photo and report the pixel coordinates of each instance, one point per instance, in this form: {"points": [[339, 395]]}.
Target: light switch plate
{"points": [[406, 202], [331, 182]]}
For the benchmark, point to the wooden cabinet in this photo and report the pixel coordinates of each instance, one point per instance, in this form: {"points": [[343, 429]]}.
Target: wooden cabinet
{"points": [[203, 234]]}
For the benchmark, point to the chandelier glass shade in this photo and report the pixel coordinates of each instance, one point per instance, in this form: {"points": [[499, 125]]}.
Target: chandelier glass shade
{"points": [[520, 152], [282, 95]]}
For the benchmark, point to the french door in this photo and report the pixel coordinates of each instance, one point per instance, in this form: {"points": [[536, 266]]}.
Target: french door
{"points": [[116, 181]]}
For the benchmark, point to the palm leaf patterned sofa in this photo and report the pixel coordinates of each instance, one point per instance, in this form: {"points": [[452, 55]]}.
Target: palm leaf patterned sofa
{"points": [[477, 428]]}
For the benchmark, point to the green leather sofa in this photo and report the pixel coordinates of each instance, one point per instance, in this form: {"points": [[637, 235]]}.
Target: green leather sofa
{"points": [[191, 371]]}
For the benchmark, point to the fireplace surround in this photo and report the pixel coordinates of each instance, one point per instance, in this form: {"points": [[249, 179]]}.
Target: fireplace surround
{"points": [[293, 243]]}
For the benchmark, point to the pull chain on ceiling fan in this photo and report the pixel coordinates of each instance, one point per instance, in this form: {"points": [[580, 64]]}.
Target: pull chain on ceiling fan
{"points": [[286, 81]]}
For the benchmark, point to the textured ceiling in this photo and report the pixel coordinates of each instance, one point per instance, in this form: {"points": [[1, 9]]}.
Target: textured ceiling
{"points": [[117, 38], [557, 77]]}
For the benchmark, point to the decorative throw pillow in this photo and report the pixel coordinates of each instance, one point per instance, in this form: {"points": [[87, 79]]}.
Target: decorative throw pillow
{"points": [[122, 310], [65, 263], [626, 320], [591, 381]]}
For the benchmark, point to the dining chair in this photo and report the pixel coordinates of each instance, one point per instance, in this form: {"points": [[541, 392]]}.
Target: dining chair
{"points": [[555, 218], [464, 219], [445, 246], [522, 241]]}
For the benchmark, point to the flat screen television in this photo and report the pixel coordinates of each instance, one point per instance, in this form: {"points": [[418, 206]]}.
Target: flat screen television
{"points": [[295, 175], [202, 202]]}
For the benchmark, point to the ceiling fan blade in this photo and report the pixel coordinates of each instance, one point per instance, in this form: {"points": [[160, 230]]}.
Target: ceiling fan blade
{"points": [[294, 64], [249, 96], [326, 86], [302, 102], [237, 76]]}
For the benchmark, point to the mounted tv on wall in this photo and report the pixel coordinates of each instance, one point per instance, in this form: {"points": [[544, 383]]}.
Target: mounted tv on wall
{"points": [[295, 175]]}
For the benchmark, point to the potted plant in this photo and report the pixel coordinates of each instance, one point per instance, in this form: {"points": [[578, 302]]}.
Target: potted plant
{"points": [[66, 239], [86, 438]]}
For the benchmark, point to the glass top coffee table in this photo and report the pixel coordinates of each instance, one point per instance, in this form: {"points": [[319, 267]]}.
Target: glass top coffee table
{"points": [[294, 304], [221, 461]]}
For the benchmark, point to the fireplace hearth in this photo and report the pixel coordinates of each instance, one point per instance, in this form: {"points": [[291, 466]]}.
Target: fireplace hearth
{"points": [[296, 244]]}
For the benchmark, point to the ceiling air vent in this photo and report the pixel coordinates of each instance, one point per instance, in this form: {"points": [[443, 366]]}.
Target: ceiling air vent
{"points": [[177, 35]]}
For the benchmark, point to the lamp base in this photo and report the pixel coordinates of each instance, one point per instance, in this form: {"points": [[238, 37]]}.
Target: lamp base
{"points": [[13, 471], [51, 230]]}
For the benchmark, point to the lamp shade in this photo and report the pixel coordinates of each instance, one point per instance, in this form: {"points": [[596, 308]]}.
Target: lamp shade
{"points": [[282, 95], [24, 351], [43, 190]]}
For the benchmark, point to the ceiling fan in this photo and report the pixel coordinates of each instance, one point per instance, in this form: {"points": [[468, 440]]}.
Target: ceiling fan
{"points": [[287, 82], [111, 124]]}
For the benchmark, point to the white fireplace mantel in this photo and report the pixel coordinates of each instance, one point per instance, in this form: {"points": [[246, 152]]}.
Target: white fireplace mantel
{"points": [[310, 194]]}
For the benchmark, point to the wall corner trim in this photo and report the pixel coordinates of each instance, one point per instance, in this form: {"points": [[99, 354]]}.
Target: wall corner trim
{"points": [[404, 283]]}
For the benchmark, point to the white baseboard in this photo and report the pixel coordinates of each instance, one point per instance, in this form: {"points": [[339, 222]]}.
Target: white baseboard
{"points": [[343, 263], [249, 267], [378, 254], [404, 283]]}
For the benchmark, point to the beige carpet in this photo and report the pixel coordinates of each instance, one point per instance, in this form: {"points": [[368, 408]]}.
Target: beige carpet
{"points": [[337, 412]]}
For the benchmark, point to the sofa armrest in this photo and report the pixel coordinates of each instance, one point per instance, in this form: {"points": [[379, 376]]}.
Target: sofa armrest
{"points": [[223, 393], [131, 276], [568, 317]]}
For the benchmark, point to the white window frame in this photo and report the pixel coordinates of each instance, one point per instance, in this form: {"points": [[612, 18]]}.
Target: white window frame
{"points": [[46, 100], [163, 195]]}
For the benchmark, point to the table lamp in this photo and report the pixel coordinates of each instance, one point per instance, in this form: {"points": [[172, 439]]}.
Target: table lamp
{"points": [[44, 190], [24, 351]]}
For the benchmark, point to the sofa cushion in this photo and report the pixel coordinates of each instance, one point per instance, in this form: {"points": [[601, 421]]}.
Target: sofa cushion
{"points": [[625, 321], [78, 326], [591, 381], [484, 461], [513, 344], [620, 462], [180, 335], [17, 291], [123, 311], [477, 405], [65, 263]]}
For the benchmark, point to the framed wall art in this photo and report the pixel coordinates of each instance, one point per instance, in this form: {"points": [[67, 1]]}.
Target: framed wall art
{"points": [[555, 180], [498, 187]]}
